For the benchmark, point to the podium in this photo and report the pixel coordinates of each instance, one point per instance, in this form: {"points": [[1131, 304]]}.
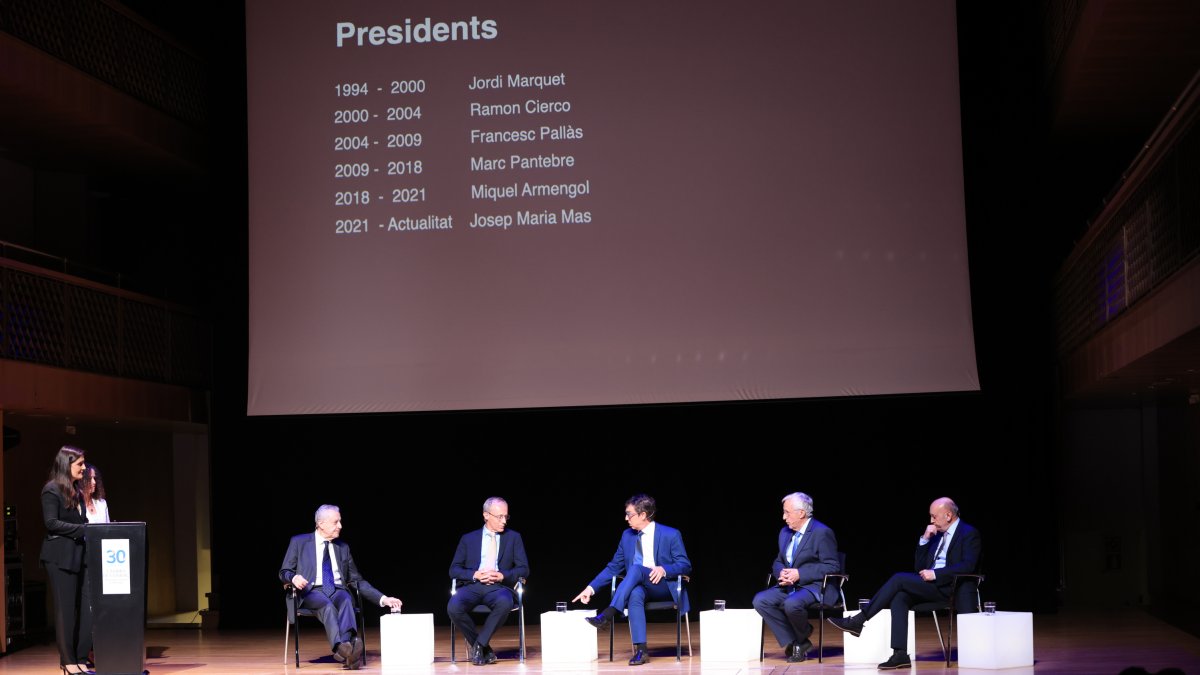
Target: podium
{"points": [[116, 569]]}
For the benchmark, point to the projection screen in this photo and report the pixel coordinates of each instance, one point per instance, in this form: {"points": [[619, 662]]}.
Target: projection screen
{"points": [[478, 205]]}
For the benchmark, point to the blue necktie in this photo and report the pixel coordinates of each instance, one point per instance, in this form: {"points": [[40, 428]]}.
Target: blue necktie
{"points": [[637, 553], [938, 552], [791, 558], [327, 583]]}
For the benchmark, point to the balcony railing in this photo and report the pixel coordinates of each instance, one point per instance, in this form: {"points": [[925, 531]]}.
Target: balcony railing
{"points": [[57, 319], [113, 45], [1147, 230]]}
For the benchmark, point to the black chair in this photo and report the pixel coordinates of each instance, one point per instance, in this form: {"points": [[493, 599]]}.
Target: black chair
{"points": [[839, 578], [963, 589], [519, 608], [681, 583], [291, 599]]}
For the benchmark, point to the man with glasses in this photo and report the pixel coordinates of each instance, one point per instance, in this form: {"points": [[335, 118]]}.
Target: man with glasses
{"points": [[946, 548], [648, 553], [488, 562], [807, 552]]}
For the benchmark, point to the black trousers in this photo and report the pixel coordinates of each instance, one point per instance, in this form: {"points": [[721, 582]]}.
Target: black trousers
{"points": [[899, 594], [497, 597], [72, 614]]}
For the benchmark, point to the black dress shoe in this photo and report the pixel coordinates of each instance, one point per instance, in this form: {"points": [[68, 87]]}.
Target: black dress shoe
{"points": [[896, 662], [850, 625], [343, 651], [639, 657], [477, 657], [356, 652], [489, 656], [598, 621], [799, 652]]}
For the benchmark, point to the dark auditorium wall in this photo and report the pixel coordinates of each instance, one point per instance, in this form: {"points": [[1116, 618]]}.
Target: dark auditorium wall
{"points": [[1130, 506]]}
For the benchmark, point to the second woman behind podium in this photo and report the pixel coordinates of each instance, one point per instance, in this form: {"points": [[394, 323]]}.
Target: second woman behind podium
{"points": [[94, 505]]}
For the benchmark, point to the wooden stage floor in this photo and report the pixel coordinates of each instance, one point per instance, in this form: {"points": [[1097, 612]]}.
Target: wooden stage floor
{"points": [[1063, 643]]}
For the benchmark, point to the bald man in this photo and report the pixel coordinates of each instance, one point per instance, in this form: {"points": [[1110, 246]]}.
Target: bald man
{"points": [[946, 548]]}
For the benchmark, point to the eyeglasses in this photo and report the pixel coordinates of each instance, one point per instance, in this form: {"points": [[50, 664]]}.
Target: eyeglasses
{"points": [[503, 517], [629, 515]]}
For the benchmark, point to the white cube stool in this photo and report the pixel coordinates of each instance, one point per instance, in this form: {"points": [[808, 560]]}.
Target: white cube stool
{"points": [[874, 646], [1000, 640], [730, 635], [405, 640], [567, 638]]}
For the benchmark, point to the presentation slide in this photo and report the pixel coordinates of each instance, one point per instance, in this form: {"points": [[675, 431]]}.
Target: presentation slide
{"points": [[512, 204]]}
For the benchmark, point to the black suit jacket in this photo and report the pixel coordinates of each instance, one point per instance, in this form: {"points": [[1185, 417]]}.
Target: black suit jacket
{"points": [[64, 542], [301, 558], [961, 558], [816, 557], [510, 559]]}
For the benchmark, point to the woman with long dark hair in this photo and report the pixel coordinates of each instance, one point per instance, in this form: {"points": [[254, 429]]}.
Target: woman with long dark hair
{"points": [[94, 505], [64, 514]]}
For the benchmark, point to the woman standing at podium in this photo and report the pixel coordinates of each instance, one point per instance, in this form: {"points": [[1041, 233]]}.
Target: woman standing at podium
{"points": [[62, 555], [94, 505]]}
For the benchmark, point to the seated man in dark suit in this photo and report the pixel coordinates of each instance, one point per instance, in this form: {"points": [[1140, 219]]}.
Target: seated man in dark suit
{"points": [[321, 568], [807, 552], [647, 553], [488, 562], [947, 547]]}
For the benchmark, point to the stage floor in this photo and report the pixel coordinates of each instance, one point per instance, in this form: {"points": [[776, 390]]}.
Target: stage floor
{"points": [[1063, 643]]}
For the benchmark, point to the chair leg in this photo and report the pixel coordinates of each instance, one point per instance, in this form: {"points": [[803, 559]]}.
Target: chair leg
{"points": [[937, 626], [287, 627], [452, 660], [950, 638], [612, 632], [363, 637], [678, 636], [521, 623], [296, 637], [689, 630], [821, 636]]}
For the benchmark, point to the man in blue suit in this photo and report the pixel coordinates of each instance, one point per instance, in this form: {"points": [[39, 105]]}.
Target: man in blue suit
{"points": [[807, 552], [487, 563], [321, 568], [946, 548], [648, 553]]}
